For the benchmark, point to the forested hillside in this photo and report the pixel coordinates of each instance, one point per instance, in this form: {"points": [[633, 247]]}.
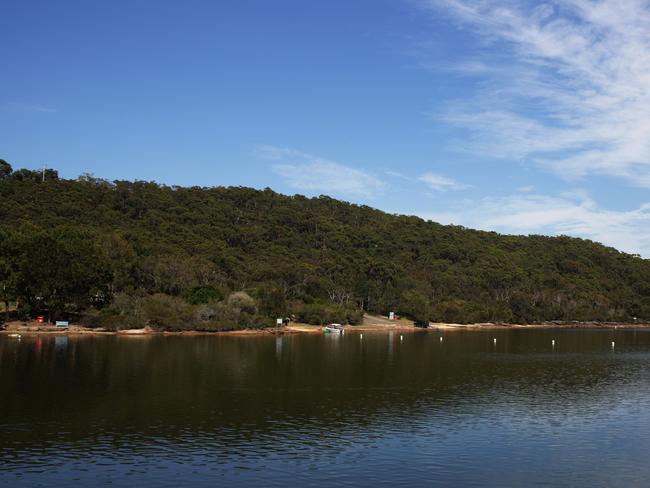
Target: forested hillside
{"points": [[133, 253]]}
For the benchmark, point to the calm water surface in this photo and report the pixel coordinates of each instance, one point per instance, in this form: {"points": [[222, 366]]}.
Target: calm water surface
{"points": [[328, 411]]}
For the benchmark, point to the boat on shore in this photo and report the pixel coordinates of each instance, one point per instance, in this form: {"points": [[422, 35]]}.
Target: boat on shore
{"points": [[333, 329]]}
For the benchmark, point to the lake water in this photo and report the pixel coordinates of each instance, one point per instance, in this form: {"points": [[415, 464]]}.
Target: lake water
{"points": [[328, 410]]}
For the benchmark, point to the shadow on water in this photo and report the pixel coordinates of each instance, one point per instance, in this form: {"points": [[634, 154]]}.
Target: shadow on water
{"points": [[381, 409]]}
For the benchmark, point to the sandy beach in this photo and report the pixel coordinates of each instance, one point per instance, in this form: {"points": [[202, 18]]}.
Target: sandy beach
{"points": [[370, 324]]}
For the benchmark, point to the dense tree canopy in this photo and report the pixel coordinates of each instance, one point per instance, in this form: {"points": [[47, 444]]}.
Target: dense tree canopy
{"points": [[122, 250]]}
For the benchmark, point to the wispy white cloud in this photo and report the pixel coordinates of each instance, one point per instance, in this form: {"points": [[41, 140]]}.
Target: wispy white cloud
{"points": [[397, 174], [525, 189], [29, 107], [576, 214], [441, 183], [566, 84], [309, 173], [434, 181]]}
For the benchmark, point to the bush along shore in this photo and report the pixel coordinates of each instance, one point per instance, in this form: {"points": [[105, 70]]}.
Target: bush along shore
{"points": [[124, 254], [238, 311]]}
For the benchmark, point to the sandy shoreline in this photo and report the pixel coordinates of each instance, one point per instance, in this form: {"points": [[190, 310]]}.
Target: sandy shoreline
{"points": [[33, 328]]}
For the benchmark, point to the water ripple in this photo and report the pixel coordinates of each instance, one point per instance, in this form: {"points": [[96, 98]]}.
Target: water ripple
{"points": [[233, 412]]}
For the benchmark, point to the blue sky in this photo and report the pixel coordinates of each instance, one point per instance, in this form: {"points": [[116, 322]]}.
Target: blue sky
{"points": [[520, 117]]}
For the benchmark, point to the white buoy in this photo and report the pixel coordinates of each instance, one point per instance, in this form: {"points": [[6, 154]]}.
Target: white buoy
{"points": [[613, 344], [401, 338], [553, 342], [495, 340], [441, 339], [361, 336]]}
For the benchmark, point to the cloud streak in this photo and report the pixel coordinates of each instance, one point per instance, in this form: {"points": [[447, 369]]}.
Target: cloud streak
{"points": [[29, 107], [308, 173], [441, 183], [565, 84]]}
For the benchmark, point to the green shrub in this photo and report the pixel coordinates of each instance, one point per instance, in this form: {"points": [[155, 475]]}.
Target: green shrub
{"points": [[124, 312], [243, 302], [320, 313], [238, 311], [459, 311], [204, 294], [165, 312], [159, 311]]}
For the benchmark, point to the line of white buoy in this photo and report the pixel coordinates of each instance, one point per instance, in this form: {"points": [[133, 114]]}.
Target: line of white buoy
{"points": [[495, 340], [553, 342]]}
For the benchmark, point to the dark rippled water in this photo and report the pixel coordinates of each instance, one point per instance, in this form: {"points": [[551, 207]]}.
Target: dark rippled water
{"points": [[328, 411]]}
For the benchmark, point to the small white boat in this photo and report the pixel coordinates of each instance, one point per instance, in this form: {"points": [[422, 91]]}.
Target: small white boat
{"points": [[333, 329], [17, 336]]}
